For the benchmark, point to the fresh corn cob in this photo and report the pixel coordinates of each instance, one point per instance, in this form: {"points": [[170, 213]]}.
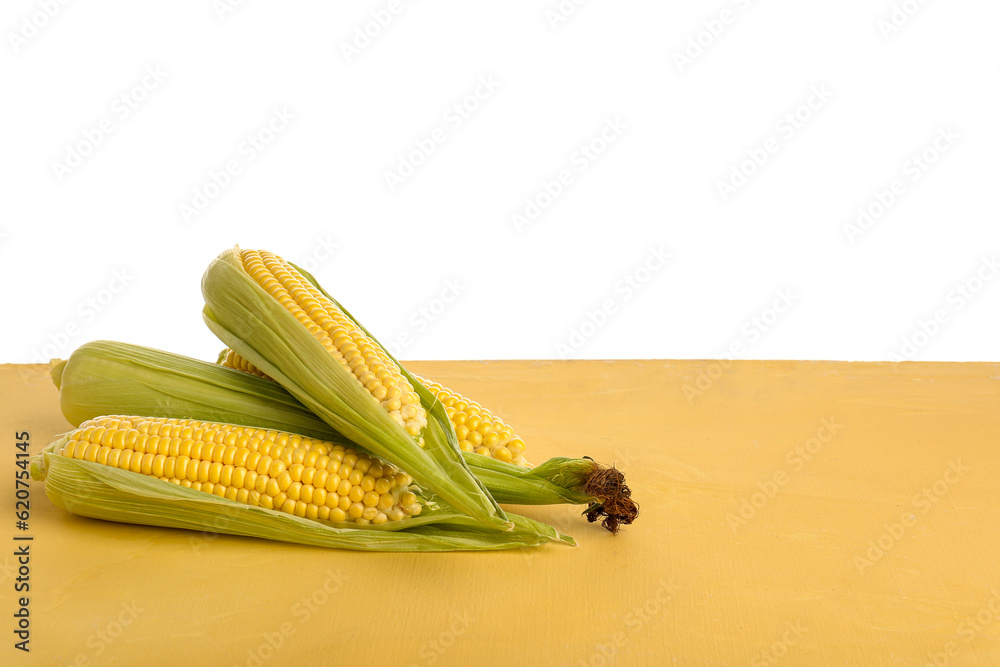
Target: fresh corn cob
{"points": [[340, 336], [100, 490], [258, 467], [476, 428], [106, 377], [270, 314]]}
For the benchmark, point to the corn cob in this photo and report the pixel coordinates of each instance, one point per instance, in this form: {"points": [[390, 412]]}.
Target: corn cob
{"points": [[258, 467], [475, 427], [270, 314], [106, 377], [98, 490], [338, 334]]}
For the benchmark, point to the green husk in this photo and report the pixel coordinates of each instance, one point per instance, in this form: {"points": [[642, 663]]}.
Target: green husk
{"points": [[102, 492], [107, 377], [558, 480], [260, 329]]}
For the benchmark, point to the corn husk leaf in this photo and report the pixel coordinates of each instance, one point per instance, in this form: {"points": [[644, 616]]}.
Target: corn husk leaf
{"points": [[102, 492], [260, 329], [107, 377], [558, 480]]}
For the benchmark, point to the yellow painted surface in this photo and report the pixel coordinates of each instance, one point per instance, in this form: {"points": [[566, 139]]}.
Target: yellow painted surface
{"points": [[793, 513]]}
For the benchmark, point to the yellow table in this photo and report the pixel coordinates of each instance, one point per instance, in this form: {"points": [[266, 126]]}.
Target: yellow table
{"points": [[792, 513]]}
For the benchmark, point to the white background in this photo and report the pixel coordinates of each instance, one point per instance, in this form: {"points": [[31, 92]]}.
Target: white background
{"points": [[893, 78]]}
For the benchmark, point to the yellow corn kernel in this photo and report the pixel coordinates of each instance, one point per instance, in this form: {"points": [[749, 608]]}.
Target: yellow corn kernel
{"points": [[477, 429], [332, 483], [306, 493]]}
